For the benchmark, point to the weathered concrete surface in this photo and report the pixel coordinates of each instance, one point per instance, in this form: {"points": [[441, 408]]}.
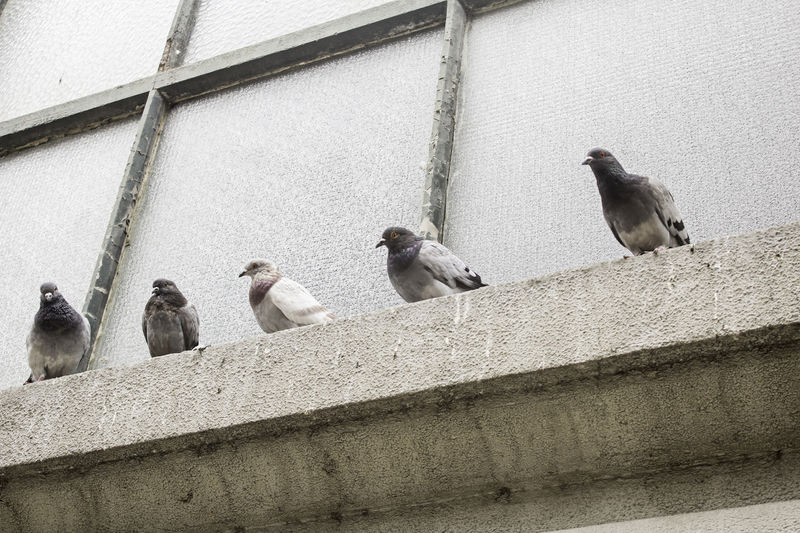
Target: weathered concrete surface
{"points": [[781, 517], [681, 364]]}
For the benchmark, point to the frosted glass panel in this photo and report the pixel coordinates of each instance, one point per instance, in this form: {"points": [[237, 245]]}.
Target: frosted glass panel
{"points": [[225, 25], [702, 95], [53, 51], [306, 169], [57, 199]]}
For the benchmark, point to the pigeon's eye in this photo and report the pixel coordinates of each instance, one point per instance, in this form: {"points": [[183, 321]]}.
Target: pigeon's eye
{"points": [[394, 235], [601, 155]]}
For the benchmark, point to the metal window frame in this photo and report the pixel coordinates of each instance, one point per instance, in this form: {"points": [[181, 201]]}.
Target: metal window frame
{"points": [[171, 83]]}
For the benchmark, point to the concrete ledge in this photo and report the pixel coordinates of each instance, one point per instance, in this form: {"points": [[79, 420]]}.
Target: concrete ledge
{"points": [[628, 370]]}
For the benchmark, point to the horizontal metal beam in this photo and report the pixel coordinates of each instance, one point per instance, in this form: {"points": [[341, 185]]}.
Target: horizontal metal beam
{"points": [[138, 162], [318, 42], [74, 116], [481, 6]]}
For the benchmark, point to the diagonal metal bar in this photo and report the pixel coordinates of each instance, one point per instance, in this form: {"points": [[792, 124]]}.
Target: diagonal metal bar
{"points": [[349, 33], [179, 33], [434, 194], [138, 162], [74, 116]]}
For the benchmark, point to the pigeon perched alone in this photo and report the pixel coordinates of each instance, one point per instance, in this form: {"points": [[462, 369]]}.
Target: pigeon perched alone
{"points": [[59, 336], [640, 211], [420, 269], [280, 303], [169, 322]]}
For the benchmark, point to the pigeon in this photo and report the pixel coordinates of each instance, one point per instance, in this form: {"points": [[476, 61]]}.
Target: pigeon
{"points": [[280, 303], [640, 211], [420, 269], [169, 322], [59, 337]]}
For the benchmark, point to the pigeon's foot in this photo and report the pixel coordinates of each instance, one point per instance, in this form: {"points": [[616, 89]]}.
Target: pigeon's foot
{"points": [[41, 378], [659, 249], [200, 347]]}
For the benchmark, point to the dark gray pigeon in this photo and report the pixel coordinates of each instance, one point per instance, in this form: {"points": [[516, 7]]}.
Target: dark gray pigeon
{"points": [[280, 303], [640, 211], [59, 336], [420, 269], [169, 322]]}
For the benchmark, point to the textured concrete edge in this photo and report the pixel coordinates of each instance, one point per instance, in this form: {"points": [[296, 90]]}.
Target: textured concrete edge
{"points": [[434, 193], [546, 380], [118, 226], [359, 30], [729, 299], [497, 449]]}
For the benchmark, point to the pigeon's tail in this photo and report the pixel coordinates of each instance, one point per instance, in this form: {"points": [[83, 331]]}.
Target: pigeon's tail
{"points": [[470, 282]]}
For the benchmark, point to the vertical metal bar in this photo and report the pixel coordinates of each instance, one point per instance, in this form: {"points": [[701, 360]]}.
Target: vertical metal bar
{"points": [[434, 196], [179, 33], [144, 147], [138, 162]]}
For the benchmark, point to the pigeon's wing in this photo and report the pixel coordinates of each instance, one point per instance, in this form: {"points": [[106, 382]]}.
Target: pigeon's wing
{"points": [[190, 324], [668, 213], [144, 325], [86, 334], [297, 303], [615, 232], [446, 268]]}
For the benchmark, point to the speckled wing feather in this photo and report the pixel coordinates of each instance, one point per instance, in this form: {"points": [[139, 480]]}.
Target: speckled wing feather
{"points": [[668, 213], [297, 303], [447, 268]]}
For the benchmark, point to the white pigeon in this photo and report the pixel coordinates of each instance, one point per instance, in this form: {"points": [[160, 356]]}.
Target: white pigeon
{"points": [[280, 303]]}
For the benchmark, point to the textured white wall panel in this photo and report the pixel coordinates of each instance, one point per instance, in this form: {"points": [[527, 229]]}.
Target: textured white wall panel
{"points": [[702, 95], [57, 199], [53, 51], [306, 169]]}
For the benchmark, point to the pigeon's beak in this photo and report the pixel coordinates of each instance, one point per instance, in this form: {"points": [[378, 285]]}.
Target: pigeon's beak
{"points": [[587, 160], [381, 242], [155, 290], [244, 273], [48, 296]]}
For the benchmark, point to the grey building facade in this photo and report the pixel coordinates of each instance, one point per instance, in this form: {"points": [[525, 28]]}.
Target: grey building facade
{"points": [[658, 393]]}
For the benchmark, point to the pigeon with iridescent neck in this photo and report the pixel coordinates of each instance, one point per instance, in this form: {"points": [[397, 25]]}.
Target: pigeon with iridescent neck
{"points": [[170, 323], [278, 302], [420, 269], [59, 337], [640, 211]]}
